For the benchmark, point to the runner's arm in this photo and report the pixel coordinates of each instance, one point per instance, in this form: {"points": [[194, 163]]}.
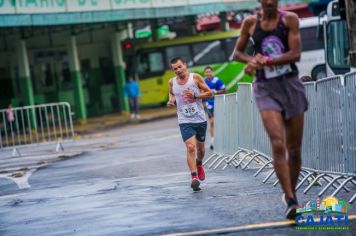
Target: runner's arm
{"points": [[171, 96], [253, 62], [242, 41], [205, 90]]}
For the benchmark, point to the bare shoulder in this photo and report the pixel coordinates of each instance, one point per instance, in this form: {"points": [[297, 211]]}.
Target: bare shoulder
{"points": [[291, 20], [250, 20], [197, 78], [248, 25]]}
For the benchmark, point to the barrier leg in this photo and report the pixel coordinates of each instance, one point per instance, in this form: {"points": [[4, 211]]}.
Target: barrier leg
{"points": [[59, 147], [303, 180], [328, 185], [268, 176], [16, 153], [219, 163], [352, 199], [207, 160], [211, 164], [260, 170], [252, 158], [313, 182], [242, 159], [341, 186], [233, 157]]}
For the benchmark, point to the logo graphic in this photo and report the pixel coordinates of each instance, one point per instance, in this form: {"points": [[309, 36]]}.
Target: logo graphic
{"points": [[272, 46], [327, 214]]}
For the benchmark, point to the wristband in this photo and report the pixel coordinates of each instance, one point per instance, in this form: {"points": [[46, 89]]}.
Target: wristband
{"points": [[269, 62], [196, 96]]}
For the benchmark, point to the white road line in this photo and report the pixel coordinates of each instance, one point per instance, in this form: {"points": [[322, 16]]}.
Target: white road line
{"points": [[223, 66], [234, 81]]}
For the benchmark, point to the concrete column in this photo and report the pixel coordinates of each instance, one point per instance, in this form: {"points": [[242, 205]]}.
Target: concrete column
{"points": [[154, 27], [224, 24], [191, 25], [119, 71], [25, 79], [24, 73], [80, 108]]}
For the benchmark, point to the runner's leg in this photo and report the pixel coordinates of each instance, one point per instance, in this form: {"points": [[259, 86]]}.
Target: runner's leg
{"points": [[199, 161], [191, 147], [294, 134], [274, 124], [200, 150]]}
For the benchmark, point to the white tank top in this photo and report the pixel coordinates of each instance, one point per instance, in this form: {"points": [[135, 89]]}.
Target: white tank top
{"points": [[189, 110]]}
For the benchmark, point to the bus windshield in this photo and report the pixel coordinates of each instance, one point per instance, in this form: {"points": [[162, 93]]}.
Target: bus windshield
{"points": [[337, 45]]}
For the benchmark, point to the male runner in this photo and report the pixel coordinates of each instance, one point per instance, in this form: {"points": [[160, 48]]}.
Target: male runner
{"points": [[218, 87], [187, 90], [279, 93]]}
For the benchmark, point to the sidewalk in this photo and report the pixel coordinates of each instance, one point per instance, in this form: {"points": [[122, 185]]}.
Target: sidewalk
{"points": [[107, 121]]}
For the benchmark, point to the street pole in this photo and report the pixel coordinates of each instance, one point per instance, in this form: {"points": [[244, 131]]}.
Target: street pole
{"points": [[350, 6]]}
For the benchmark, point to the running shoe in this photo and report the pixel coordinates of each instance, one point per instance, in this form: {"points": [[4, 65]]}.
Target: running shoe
{"points": [[195, 184], [291, 211], [201, 172]]}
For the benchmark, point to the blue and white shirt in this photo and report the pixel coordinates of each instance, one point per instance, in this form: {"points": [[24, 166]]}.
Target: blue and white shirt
{"points": [[214, 84]]}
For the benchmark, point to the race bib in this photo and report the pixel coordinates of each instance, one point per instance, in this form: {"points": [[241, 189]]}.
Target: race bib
{"points": [[278, 70], [190, 109]]}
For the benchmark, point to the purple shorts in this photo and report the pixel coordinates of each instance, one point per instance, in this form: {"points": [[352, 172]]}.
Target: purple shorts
{"points": [[283, 94]]}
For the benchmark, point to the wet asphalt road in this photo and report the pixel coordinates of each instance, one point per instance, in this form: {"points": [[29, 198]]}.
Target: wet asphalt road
{"points": [[134, 181]]}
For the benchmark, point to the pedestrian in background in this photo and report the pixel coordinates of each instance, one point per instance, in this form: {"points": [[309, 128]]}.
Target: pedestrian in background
{"points": [[278, 91], [187, 90], [218, 87], [10, 114], [132, 90]]}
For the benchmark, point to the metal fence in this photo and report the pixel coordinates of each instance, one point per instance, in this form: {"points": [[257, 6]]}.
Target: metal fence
{"points": [[329, 140], [36, 124]]}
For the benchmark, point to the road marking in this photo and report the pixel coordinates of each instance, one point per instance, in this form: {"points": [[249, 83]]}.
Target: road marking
{"points": [[234, 81], [4, 197], [223, 66], [278, 224], [22, 182]]}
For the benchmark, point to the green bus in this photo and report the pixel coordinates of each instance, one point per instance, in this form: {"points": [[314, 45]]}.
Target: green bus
{"points": [[149, 62]]}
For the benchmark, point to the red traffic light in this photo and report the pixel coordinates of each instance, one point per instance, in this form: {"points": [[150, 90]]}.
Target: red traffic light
{"points": [[127, 45]]}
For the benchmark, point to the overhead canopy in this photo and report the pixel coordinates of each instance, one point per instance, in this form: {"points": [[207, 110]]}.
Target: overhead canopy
{"points": [[59, 12]]}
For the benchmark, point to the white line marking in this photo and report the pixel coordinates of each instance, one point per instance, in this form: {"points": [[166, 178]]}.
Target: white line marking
{"points": [[234, 81]]}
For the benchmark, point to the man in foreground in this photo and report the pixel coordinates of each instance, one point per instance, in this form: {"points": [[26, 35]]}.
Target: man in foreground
{"points": [[279, 93]]}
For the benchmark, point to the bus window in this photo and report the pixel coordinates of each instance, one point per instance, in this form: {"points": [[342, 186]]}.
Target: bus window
{"points": [[208, 52], [179, 51], [337, 45], [150, 64], [230, 47], [311, 39]]}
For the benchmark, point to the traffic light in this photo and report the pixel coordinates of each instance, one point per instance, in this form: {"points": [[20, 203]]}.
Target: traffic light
{"points": [[128, 46]]}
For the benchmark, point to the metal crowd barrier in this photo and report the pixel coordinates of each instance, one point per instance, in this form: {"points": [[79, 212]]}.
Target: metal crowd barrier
{"points": [[329, 140], [36, 124]]}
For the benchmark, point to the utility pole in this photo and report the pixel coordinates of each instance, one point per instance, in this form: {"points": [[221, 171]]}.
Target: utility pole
{"points": [[350, 7]]}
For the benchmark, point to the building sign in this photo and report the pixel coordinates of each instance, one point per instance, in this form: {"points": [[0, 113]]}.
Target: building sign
{"points": [[63, 6]]}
